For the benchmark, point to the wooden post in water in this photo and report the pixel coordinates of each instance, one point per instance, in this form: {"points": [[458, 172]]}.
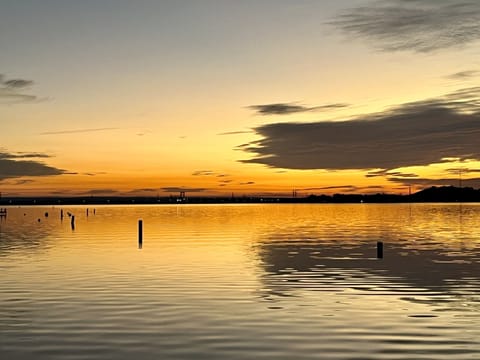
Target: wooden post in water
{"points": [[61, 214], [87, 212], [72, 222], [140, 233], [379, 250]]}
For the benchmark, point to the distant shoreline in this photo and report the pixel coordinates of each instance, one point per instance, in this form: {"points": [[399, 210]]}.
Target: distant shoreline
{"points": [[448, 194]]}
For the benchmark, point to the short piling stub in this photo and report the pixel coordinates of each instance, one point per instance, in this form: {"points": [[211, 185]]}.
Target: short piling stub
{"points": [[379, 249], [140, 233]]}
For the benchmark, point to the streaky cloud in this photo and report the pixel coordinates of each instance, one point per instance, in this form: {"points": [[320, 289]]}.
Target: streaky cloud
{"points": [[10, 91], [413, 25], [463, 75], [384, 173], [412, 134], [203, 173], [181, 189], [22, 155], [291, 108], [336, 187], [449, 181], [76, 131], [17, 83], [236, 132], [462, 170]]}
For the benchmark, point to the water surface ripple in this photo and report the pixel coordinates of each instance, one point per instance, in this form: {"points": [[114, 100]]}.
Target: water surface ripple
{"points": [[241, 282]]}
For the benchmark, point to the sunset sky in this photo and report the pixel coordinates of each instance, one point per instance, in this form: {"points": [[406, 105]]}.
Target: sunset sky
{"points": [[145, 97]]}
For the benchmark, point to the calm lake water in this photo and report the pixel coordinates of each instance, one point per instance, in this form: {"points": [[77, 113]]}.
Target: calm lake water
{"points": [[241, 282]]}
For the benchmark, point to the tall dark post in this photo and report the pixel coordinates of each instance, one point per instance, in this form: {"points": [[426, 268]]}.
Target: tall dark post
{"points": [[87, 212], [379, 250], [140, 234], [61, 214], [72, 222]]}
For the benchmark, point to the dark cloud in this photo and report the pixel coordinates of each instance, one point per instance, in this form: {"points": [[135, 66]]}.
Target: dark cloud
{"points": [[419, 133], [463, 75], [76, 131], [415, 25], [22, 155], [17, 83], [247, 183], [203, 173], [94, 173], [291, 108], [390, 173], [236, 132], [11, 167], [462, 170], [473, 182], [181, 188], [9, 91], [338, 187]]}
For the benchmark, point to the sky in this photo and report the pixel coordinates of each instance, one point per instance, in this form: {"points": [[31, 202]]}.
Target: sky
{"points": [[144, 97]]}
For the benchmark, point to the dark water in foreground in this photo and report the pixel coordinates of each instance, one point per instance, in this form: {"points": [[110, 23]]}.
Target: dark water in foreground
{"points": [[241, 282]]}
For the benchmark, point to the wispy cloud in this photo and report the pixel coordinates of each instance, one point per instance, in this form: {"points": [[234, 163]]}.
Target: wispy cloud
{"points": [[449, 181], [144, 190], [94, 173], [76, 131], [385, 173], [17, 83], [177, 189], [203, 173], [291, 108], [22, 155], [414, 25], [11, 91], [464, 75], [418, 133], [14, 165], [337, 187], [236, 132]]}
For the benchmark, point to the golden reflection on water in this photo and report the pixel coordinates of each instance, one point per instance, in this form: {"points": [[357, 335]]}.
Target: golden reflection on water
{"points": [[219, 281]]}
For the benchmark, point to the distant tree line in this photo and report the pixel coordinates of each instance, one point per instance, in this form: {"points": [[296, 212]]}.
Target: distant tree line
{"points": [[431, 194]]}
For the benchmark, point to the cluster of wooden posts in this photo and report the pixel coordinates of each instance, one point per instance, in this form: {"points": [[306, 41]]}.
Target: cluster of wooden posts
{"points": [[3, 212]]}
